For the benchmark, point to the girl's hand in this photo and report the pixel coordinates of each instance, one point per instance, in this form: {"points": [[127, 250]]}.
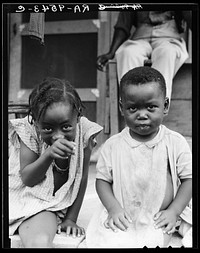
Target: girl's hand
{"points": [[118, 219], [61, 149], [166, 220], [70, 228]]}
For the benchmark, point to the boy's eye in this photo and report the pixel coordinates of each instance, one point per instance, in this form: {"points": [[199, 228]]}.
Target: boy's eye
{"points": [[132, 109], [151, 107]]}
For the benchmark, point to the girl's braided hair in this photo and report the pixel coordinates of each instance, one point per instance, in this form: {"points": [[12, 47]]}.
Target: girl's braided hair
{"points": [[49, 91]]}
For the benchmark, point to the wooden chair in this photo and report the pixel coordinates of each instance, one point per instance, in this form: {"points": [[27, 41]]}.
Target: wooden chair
{"points": [[17, 109]]}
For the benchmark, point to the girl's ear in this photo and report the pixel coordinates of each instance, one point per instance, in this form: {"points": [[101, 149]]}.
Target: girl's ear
{"points": [[166, 106], [121, 107], [78, 118], [36, 124]]}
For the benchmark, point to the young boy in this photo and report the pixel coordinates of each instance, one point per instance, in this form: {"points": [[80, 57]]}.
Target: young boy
{"points": [[144, 173]]}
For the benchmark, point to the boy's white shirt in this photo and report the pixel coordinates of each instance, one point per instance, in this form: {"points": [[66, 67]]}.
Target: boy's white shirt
{"points": [[167, 142]]}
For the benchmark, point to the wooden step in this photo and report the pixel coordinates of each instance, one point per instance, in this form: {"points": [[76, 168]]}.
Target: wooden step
{"points": [[180, 113], [60, 241]]}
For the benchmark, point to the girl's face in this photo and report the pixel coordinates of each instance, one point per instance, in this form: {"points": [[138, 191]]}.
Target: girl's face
{"points": [[143, 108], [58, 121]]}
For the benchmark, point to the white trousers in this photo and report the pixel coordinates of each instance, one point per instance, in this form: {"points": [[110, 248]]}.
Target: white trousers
{"points": [[167, 56]]}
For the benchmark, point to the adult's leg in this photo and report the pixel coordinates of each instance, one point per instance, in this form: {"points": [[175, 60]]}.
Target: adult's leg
{"points": [[39, 230], [168, 55], [131, 54]]}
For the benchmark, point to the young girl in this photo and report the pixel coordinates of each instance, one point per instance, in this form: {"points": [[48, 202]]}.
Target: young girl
{"points": [[49, 154], [144, 173]]}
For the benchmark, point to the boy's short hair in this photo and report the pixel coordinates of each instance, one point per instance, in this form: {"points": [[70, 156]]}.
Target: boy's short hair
{"points": [[143, 75]]}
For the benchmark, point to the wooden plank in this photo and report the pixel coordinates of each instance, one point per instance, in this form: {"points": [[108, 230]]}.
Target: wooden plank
{"points": [[15, 55], [102, 82], [86, 94], [107, 116], [66, 27], [180, 117], [113, 92], [182, 83]]}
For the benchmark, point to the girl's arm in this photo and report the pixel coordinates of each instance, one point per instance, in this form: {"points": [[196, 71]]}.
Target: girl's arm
{"points": [[32, 167], [74, 209]]}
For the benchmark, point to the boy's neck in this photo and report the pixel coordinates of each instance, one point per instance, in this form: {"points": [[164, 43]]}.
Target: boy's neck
{"points": [[143, 138]]}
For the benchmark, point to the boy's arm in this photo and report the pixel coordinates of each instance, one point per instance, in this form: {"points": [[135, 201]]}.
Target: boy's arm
{"points": [[117, 215], [105, 192], [167, 218], [182, 198]]}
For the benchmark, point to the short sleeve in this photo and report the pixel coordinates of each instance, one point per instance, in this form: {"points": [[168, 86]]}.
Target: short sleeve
{"points": [[184, 159], [89, 129], [22, 129], [125, 22], [104, 164]]}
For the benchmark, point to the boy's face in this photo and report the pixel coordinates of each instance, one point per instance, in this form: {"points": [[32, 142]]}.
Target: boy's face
{"points": [[143, 108], [58, 121]]}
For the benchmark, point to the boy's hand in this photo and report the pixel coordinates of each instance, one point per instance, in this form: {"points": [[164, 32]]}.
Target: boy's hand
{"points": [[118, 219], [70, 228], [166, 220]]}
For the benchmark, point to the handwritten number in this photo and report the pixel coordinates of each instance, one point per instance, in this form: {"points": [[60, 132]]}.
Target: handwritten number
{"points": [[36, 9], [45, 8], [21, 8], [53, 8], [61, 6]]}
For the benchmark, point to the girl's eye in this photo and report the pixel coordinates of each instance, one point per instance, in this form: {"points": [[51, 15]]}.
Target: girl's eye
{"points": [[66, 128], [47, 129]]}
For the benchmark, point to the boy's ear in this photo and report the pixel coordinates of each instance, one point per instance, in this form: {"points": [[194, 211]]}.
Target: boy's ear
{"points": [[121, 107], [166, 106]]}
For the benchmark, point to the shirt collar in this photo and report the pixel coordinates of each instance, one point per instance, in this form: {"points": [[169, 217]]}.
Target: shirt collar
{"points": [[133, 143]]}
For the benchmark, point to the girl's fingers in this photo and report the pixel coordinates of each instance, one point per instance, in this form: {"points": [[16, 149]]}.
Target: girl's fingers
{"points": [[74, 232], [82, 231], [62, 150], [69, 144], [59, 229], [68, 230]]}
